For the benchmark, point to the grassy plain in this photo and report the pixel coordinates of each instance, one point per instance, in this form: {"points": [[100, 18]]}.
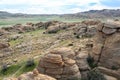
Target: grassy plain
{"points": [[12, 21]]}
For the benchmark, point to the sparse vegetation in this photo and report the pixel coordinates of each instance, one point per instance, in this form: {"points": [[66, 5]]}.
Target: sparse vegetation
{"points": [[95, 75], [19, 68], [30, 62], [9, 70], [91, 62], [4, 68]]}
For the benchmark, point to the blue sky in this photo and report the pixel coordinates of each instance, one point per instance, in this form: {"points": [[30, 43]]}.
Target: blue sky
{"points": [[56, 6]]}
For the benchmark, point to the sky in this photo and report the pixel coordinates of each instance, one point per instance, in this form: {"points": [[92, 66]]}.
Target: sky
{"points": [[56, 6]]}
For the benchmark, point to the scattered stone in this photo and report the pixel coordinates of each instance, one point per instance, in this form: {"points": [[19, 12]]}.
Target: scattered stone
{"points": [[4, 45]]}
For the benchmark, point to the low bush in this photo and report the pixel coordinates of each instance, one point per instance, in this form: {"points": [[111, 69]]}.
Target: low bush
{"points": [[95, 75], [30, 62], [91, 62]]}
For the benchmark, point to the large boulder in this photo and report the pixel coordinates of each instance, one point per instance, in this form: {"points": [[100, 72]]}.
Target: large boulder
{"points": [[106, 49], [53, 29], [60, 64], [51, 23]]}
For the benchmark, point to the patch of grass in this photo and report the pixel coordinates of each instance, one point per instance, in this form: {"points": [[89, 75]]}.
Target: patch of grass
{"points": [[26, 69], [19, 68], [11, 70]]}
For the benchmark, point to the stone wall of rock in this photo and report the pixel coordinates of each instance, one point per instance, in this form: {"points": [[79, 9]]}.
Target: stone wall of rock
{"points": [[60, 64], [106, 48]]}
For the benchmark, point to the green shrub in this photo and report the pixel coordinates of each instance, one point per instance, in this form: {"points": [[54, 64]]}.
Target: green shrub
{"points": [[30, 63], [91, 62], [95, 75], [114, 68], [4, 68]]}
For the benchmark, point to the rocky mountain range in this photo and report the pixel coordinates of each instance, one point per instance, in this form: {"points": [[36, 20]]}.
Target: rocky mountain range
{"points": [[105, 13]]}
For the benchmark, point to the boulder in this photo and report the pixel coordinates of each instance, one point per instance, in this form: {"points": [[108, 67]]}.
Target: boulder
{"points": [[53, 29], [59, 63], [108, 30], [4, 45]]}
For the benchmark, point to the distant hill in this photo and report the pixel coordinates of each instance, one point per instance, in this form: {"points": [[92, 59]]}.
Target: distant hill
{"points": [[4, 14], [105, 13]]}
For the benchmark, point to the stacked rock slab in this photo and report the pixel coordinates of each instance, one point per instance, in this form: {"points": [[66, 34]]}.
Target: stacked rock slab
{"points": [[60, 64], [106, 49]]}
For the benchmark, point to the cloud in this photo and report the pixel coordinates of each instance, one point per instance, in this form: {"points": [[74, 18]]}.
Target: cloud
{"points": [[54, 6]]}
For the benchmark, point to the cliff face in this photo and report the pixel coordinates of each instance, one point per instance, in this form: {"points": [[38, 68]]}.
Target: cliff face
{"points": [[106, 50]]}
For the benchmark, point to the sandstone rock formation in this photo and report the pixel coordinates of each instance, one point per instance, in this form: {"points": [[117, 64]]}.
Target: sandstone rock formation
{"points": [[32, 76], [106, 50], [60, 64], [85, 31], [81, 61], [91, 22]]}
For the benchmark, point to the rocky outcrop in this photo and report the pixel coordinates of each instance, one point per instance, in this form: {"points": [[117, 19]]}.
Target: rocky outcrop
{"points": [[84, 31], [91, 22], [32, 76], [60, 64], [81, 61], [106, 49]]}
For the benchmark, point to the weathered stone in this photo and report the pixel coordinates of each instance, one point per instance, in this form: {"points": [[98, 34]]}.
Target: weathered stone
{"points": [[91, 22], [76, 76], [64, 52], [45, 64], [70, 69], [110, 77], [97, 49], [53, 29], [69, 62], [100, 27], [108, 30], [91, 31], [83, 65], [82, 55], [57, 71], [111, 52], [53, 58], [84, 74], [112, 25], [109, 72], [4, 45]]}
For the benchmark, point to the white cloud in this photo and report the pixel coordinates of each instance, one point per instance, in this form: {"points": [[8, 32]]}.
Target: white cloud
{"points": [[51, 6]]}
